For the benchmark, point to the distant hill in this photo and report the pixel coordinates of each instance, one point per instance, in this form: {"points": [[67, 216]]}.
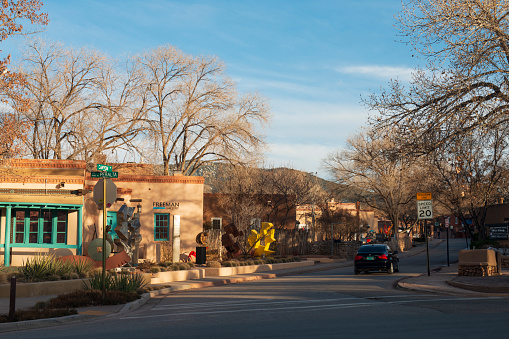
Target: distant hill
{"points": [[336, 191]]}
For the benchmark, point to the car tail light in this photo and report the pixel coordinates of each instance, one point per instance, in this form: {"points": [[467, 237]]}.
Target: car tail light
{"points": [[383, 256], [358, 257]]}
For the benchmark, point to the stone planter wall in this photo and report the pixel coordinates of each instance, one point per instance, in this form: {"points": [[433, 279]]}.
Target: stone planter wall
{"points": [[169, 276], [227, 271], [477, 270]]}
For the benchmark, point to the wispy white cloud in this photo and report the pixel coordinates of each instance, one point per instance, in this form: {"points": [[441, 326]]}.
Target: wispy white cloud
{"points": [[376, 71]]}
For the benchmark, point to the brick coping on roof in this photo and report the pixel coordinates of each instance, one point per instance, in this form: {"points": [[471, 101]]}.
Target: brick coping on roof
{"points": [[154, 179], [46, 163]]}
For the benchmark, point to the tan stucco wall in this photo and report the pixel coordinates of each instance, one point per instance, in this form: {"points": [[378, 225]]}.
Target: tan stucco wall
{"points": [[188, 193]]}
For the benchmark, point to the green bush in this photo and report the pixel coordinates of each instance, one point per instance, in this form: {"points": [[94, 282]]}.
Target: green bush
{"points": [[41, 268], [213, 264], [183, 266], [85, 298], [155, 269], [82, 266], [48, 268], [121, 282]]}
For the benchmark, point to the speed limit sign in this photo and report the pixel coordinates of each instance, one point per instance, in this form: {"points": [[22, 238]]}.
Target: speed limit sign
{"points": [[424, 209]]}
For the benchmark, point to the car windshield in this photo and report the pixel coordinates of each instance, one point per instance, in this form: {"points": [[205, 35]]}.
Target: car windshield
{"points": [[372, 249]]}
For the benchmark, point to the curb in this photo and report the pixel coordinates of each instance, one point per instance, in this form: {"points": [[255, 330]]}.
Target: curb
{"points": [[479, 288]]}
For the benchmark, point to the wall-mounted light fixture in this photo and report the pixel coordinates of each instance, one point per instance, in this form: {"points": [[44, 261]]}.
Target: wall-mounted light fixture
{"points": [[138, 206]]}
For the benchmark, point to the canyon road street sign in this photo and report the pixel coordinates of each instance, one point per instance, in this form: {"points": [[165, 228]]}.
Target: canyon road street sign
{"points": [[424, 209], [104, 168], [104, 174], [111, 192]]}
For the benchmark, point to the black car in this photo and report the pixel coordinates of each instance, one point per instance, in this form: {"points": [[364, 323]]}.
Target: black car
{"points": [[376, 257]]}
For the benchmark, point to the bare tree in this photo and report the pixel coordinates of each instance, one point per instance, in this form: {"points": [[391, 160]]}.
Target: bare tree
{"points": [[385, 178], [468, 173], [346, 225], [82, 102], [13, 130], [196, 116], [463, 87]]}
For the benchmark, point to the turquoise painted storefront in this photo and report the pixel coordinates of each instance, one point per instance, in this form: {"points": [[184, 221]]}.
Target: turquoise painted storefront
{"points": [[40, 226]]}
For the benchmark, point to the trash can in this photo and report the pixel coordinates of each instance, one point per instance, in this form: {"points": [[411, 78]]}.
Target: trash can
{"points": [[201, 255]]}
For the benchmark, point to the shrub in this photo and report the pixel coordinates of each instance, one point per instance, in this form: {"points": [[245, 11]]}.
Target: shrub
{"points": [[35, 313], [48, 268], [183, 266], [40, 268], [213, 264], [82, 266], [155, 269], [121, 282], [3, 278], [146, 265], [83, 298]]}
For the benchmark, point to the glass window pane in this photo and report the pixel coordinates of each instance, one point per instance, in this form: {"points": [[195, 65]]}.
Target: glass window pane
{"points": [[61, 238]]}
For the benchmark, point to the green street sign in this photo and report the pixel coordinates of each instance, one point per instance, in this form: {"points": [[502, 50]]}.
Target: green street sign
{"points": [[104, 174], [104, 168]]}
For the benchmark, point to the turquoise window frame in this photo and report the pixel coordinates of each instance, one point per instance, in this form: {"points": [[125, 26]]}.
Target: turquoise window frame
{"points": [[111, 217], [27, 230], [159, 228]]}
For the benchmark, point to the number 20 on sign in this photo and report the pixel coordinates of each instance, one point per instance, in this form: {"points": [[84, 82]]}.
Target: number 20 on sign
{"points": [[424, 209]]}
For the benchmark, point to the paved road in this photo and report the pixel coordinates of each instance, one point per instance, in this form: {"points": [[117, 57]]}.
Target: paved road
{"points": [[326, 304]]}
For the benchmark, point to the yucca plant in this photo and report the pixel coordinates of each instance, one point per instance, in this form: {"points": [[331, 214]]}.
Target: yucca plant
{"points": [[121, 282], [40, 267], [82, 266]]}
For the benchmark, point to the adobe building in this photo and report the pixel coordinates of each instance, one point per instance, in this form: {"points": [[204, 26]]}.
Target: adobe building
{"points": [[40, 212], [365, 216]]}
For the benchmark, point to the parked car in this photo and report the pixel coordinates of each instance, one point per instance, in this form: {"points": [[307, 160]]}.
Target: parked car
{"points": [[376, 257]]}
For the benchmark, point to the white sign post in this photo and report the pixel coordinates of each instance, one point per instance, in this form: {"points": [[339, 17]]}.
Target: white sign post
{"points": [[176, 238], [424, 209], [425, 212]]}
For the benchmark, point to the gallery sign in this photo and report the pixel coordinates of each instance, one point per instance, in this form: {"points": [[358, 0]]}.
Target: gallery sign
{"points": [[165, 205]]}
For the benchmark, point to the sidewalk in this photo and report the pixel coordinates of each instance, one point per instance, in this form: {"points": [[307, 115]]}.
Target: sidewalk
{"points": [[446, 280]]}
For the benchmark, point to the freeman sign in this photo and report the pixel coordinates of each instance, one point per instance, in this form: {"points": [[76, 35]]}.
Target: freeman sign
{"points": [[161, 205]]}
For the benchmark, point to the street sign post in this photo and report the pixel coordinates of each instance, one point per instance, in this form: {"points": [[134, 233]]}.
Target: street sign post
{"points": [[105, 194], [104, 174], [425, 212]]}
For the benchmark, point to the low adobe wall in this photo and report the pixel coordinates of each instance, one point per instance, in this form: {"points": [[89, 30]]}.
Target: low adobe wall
{"points": [[24, 290], [480, 263]]}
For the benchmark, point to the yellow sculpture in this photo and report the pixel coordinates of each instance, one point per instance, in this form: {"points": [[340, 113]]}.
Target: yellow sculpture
{"points": [[267, 235]]}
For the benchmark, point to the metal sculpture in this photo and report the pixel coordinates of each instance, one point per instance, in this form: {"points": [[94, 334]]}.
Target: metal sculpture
{"points": [[129, 236], [229, 242], [266, 234]]}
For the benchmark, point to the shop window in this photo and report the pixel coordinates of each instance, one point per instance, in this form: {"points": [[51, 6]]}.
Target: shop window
{"points": [[216, 223], [161, 227], [39, 227]]}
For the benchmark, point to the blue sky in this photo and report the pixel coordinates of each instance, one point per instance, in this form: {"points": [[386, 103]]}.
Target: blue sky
{"points": [[312, 59]]}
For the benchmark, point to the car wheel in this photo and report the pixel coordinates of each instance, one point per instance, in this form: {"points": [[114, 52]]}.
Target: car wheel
{"points": [[390, 270], [357, 272]]}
